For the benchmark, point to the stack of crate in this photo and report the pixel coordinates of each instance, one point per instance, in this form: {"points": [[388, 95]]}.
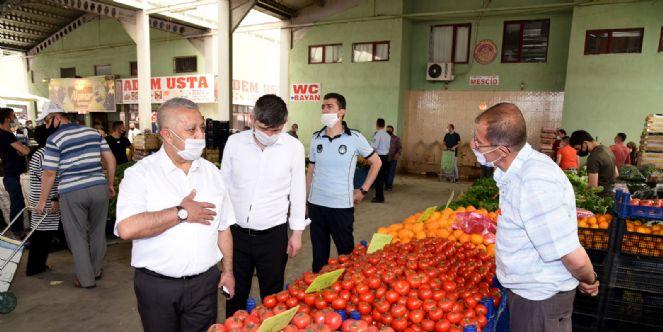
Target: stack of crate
{"points": [[145, 144], [547, 139], [651, 142]]}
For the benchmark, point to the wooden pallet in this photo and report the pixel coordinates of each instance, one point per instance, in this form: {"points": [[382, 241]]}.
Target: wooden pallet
{"points": [[651, 158]]}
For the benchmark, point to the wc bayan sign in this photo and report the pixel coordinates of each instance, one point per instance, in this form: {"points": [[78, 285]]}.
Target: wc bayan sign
{"points": [[305, 92]]}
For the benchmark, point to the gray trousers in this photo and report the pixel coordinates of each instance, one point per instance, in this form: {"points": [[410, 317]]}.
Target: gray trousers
{"points": [[84, 214], [550, 315]]}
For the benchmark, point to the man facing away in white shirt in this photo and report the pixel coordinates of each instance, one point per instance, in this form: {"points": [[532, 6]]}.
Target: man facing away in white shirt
{"points": [[265, 173], [175, 207]]}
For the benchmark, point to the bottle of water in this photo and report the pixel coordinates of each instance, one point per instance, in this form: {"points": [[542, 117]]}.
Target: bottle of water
{"points": [[470, 328], [250, 304], [343, 314], [354, 314]]}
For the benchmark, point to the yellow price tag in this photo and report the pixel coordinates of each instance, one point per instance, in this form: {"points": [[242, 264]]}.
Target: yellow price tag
{"points": [[378, 241], [278, 322], [324, 280]]}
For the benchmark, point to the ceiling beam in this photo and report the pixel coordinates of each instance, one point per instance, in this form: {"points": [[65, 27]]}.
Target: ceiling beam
{"points": [[181, 6], [28, 10], [67, 29], [19, 30], [240, 9], [27, 21], [11, 47], [11, 38], [276, 8]]}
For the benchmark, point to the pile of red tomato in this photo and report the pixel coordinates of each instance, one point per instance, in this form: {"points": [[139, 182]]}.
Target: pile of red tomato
{"points": [[424, 285]]}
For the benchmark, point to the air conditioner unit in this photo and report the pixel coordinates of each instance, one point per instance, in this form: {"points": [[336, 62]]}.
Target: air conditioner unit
{"points": [[439, 71]]}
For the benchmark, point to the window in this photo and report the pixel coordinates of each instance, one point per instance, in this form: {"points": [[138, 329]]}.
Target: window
{"points": [[370, 52], [331, 53], [101, 70], [450, 43], [133, 68], [68, 72], [614, 41], [186, 64], [525, 41]]}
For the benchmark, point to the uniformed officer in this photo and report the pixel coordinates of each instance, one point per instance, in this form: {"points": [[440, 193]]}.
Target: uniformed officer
{"points": [[330, 178]]}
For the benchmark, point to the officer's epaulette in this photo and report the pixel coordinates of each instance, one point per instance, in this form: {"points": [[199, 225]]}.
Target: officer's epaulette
{"points": [[317, 133]]}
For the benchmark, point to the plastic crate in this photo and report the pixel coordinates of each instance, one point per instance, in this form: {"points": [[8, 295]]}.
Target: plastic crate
{"points": [[636, 273], [641, 308], [594, 238], [625, 210], [642, 244], [584, 323]]}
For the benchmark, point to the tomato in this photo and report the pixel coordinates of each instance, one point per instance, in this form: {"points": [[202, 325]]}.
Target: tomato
{"points": [[425, 294], [416, 316], [402, 287], [438, 294], [352, 325], [386, 329], [374, 282], [399, 324], [470, 302], [398, 310], [362, 288], [367, 297], [429, 305], [368, 319], [415, 281], [233, 323], [427, 325], [469, 313], [217, 328], [270, 301], [481, 310], [413, 303], [364, 308], [348, 284], [343, 259], [333, 320], [454, 317], [320, 304], [381, 306], [252, 319], [291, 302], [329, 295], [251, 327], [282, 296], [241, 314], [387, 319], [332, 261], [449, 286], [301, 320], [392, 296], [337, 287], [291, 328], [279, 308], [319, 317], [458, 307], [442, 326], [345, 294], [380, 292], [339, 303], [304, 308], [436, 314], [370, 271]]}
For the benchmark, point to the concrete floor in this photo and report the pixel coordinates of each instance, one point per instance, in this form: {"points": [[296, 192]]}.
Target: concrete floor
{"points": [[49, 302]]}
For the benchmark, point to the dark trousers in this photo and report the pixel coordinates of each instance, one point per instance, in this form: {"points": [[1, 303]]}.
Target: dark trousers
{"points": [[550, 315], [167, 305], [38, 254], [264, 253], [16, 201], [392, 174], [382, 177], [327, 221]]}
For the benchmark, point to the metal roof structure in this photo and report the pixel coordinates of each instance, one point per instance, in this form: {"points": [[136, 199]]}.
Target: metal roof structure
{"points": [[30, 26]]}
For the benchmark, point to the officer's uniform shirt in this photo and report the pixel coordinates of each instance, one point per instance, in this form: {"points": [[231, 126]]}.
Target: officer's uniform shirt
{"points": [[335, 160]]}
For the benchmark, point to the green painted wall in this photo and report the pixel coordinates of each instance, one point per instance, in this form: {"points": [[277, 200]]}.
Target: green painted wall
{"points": [[372, 89], [104, 41], [547, 76], [609, 93]]}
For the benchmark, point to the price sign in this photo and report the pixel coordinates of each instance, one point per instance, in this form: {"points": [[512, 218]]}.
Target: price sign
{"points": [[324, 280], [278, 322], [378, 242]]}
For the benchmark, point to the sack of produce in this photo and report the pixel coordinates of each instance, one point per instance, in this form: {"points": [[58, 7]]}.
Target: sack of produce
{"points": [[475, 223]]}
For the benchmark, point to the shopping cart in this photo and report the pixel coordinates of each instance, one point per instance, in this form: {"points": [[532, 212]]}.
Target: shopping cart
{"points": [[10, 255]]}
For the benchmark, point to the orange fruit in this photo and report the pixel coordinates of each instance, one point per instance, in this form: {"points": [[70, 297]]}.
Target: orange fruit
{"points": [[443, 233], [405, 234], [481, 246], [418, 227], [476, 239], [451, 238], [420, 235], [470, 209], [490, 249], [592, 221], [465, 238], [431, 226], [383, 230], [460, 209]]}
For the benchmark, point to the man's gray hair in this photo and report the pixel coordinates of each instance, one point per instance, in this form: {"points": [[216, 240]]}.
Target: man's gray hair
{"points": [[163, 111]]}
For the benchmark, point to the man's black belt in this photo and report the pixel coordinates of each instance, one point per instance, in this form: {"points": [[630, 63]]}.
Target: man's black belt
{"points": [[257, 232], [161, 276]]}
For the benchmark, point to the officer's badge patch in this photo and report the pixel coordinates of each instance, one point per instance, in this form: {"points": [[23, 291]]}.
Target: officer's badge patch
{"points": [[319, 148], [342, 149]]}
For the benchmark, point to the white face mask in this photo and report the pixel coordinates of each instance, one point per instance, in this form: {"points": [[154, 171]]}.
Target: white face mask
{"points": [[481, 158], [193, 147], [265, 139], [329, 119]]}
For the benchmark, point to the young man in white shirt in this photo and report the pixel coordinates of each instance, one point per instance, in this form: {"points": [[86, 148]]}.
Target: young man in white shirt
{"points": [[175, 207], [381, 144], [266, 178], [132, 132]]}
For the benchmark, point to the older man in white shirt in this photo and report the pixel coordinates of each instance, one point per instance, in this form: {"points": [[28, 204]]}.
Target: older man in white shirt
{"points": [[264, 170], [176, 209]]}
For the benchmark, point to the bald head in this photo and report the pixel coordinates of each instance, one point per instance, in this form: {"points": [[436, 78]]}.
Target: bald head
{"points": [[504, 125], [167, 113]]}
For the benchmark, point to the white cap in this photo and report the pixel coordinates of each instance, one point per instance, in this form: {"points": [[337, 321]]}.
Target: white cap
{"points": [[49, 108]]}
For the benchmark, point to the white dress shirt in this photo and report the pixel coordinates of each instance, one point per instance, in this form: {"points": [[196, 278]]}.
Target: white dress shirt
{"points": [[131, 133], [155, 184], [381, 142], [263, 184]]}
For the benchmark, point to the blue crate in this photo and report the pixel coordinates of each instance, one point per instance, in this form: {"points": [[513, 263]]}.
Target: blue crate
{"points": [[625, 210], [498, 319]]}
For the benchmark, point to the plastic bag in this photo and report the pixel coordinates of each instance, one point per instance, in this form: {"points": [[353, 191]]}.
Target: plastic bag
{"points": [[582, 213], [475, 223]]}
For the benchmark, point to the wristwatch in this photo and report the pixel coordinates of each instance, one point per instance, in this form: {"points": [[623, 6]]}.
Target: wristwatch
{"points": [[363, 192], [182, 214], [596, 277]]}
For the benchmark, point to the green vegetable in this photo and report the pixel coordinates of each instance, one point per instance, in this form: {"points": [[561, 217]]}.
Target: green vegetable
{"points": [[589, 198], [482, 194], [119, 175], [630, 173]]}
